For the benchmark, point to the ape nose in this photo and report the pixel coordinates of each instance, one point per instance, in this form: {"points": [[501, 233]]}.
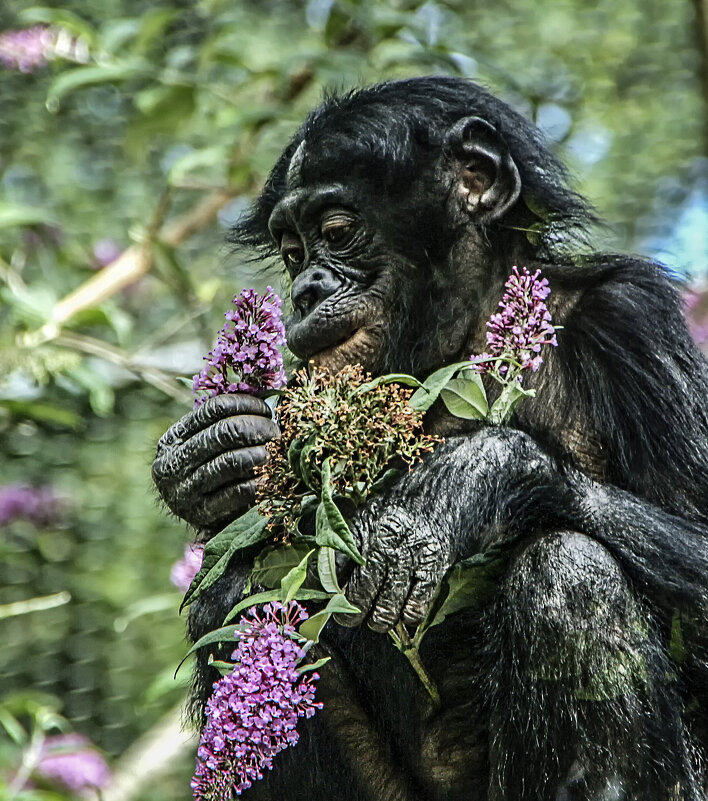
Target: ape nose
{"points": [[313, 286]]}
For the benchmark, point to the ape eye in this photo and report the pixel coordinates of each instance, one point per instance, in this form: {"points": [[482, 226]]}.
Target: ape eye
{"points": [[338, 230], [292, 251]]}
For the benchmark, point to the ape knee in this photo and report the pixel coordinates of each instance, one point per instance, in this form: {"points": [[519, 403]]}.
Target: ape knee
{"points": [[574, 619]]}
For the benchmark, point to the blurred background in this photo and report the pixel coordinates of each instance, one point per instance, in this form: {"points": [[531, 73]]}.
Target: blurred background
{"points": [[132, 134]]}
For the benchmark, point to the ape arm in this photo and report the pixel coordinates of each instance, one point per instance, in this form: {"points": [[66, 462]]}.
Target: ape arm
{"points": [[497, 486]]}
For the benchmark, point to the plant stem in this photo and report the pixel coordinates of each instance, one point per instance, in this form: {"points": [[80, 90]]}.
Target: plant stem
{"points": [[410, 651]]}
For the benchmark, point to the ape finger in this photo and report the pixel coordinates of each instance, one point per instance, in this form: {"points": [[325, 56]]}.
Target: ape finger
{"points": [[387, 608], [362, 589], [226, 468], [216, 510], [418, 602], [228, 434], [212, 410]]}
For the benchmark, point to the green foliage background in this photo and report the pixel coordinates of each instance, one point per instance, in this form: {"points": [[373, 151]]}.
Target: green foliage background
{"points": [[148, 136]]}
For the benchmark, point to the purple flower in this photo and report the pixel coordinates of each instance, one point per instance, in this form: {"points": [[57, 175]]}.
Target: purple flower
{"points": [[26, 50], [184, 571], [518, 331], [70, 761], [247, 356], [105, 251], [39, 505], [696, 307], [253, 712]]}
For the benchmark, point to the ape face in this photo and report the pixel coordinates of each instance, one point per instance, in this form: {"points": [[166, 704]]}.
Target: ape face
{"points": [[369, 251], [341, 276], [398, 212]]}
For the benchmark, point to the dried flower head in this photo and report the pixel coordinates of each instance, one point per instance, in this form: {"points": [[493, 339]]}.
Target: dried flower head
{"points": [[247, 355], [253, 712], [330, 416], [518, 331]]}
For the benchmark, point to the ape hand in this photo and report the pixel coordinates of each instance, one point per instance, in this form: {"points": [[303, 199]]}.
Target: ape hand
{"points": [[204, 466], [406, 559]]}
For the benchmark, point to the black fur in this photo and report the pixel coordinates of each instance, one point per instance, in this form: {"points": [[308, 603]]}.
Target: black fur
{"points": [[584, 674]]}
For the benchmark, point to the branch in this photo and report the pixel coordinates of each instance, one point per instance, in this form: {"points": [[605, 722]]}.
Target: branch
{"points": [[131, 265]]}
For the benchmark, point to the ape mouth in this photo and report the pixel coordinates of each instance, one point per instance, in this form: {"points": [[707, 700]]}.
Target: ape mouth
{"points": [[359, 347], [340, 343]]}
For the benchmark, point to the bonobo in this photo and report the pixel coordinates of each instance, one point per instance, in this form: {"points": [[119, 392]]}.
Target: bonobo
{"points": [[399, 211]]}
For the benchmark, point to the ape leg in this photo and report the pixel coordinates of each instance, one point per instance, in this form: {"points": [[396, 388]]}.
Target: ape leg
{"points": [[583, 704]]}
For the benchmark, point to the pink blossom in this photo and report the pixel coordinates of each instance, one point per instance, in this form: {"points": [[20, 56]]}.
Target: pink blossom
{"points": [[184, 571], [254, 710]]}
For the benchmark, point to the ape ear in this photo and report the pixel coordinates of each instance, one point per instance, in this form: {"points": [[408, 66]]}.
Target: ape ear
{"points": [[488, 180]]}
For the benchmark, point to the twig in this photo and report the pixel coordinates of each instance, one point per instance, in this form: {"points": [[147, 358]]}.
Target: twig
{"points": [[152, 375], [406, 646], [131, 265], [34, 604]]}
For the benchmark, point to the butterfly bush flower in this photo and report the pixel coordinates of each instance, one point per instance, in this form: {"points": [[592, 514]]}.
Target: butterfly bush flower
{"points": [[39, 505], [518, 331], [253, 711], [71, 762], [247, 356], [26, 50], [183, 572]]}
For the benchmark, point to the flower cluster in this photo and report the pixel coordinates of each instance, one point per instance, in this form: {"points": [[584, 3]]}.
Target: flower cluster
{"points": [[253, 711], [518, 331], [696, 309], [71, 762], [26, 50], [183, 572], [246, 357], [39, 505], [360, 431]]}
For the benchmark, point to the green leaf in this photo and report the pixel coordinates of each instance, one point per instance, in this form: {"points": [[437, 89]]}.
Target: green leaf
{"points": [[275, 562], [313, 665], [295, 578], [424, 397], [327, 569], [294, 452], [331, 528], [337, 605], [302, 594], [466, 398], [12, 726], [469, 584], [384, 482], [392, 378], [245, 531], [199, 162], [82, 77], [14, 216], [223, 667], [61, 18], [224, 634], [307, 465], [504, 406], [42, 412]]}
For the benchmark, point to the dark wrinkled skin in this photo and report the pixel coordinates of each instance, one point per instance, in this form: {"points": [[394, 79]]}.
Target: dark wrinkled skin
{"points": [[398, 213]]}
